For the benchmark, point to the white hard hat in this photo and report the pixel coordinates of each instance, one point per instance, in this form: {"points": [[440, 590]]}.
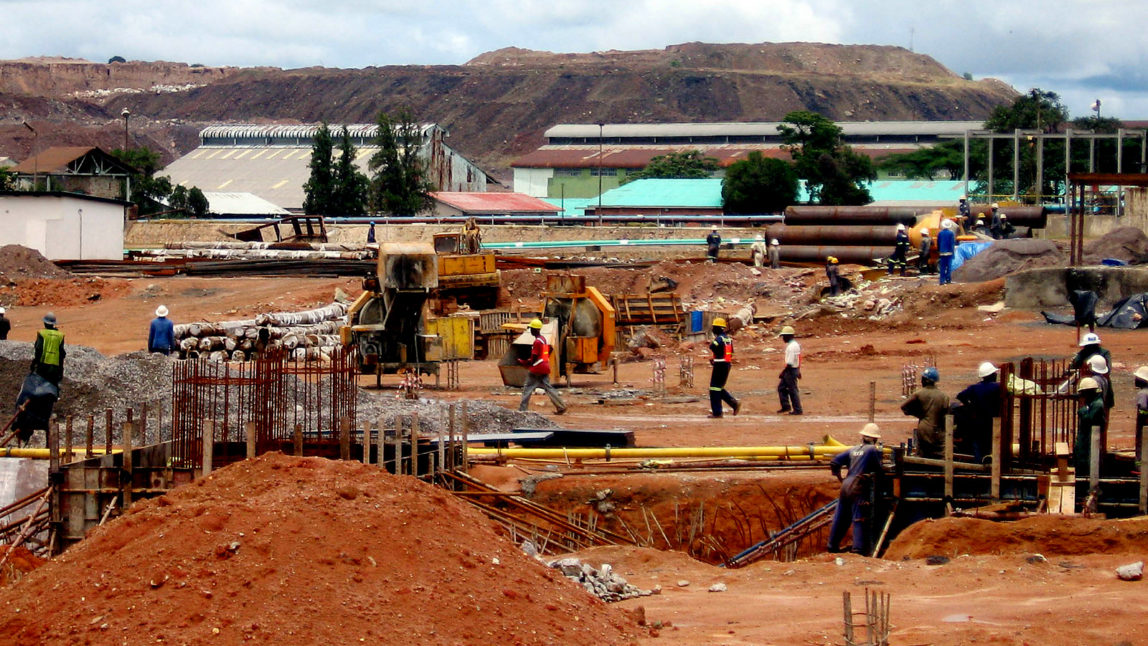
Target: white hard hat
{"points": [[986, 369], [1097, 364], [759, 237], [924, 232], [871, 430], [1141, 373], [996, 206], [900, 227], [948, 224], [774, 242], [964, 197], [1088, 383], [161, 311], [1090, 339], [2, 310], [713, 228]]}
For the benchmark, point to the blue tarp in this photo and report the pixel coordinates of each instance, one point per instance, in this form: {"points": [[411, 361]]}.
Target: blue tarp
{"points": [[967, 250]]}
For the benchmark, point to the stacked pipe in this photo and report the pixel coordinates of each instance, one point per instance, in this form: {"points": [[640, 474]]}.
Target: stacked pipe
{"points": [[310, 335]]}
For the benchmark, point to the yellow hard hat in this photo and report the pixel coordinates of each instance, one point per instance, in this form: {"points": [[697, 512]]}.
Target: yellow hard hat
{"points": [[1088, 383], [536, 324], [832, 260], [787, 330], [719, 322], [871, 430]]}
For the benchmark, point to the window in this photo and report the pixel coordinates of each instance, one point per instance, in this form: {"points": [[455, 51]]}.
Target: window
{"points": [[606, 172]]}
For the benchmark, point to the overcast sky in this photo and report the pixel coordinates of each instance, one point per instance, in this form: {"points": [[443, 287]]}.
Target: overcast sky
{"points": [[1081, 49]]}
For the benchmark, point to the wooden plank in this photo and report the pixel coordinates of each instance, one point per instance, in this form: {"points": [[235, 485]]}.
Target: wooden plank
{"points": [[366, 443], [450, 426], [397, 454], [107, 431], [68, 439], [53, 445], [998, 453], [89, 436], [128, 430], [345, 438], [465, 466], [297, 440], [380, 443], [208, 446], [251, 429], [948, 457], [414, 470]]}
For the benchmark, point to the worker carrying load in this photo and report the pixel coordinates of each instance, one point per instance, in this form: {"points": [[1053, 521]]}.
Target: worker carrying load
{"points": [[722, 348], [901, 246]]}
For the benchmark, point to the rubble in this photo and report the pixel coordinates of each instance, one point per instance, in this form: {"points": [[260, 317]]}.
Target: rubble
{"points": [[1131, 572], [601, 582]]}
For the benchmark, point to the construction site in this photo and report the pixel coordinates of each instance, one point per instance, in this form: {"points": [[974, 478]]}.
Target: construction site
{"points": [[338, 432]]}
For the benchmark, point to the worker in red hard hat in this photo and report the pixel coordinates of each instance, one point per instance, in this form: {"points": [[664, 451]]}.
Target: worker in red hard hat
{"points": [[538, 371]]}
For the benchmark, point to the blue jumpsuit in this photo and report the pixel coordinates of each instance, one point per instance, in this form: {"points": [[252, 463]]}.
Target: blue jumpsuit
{"points": [[864, 463]]}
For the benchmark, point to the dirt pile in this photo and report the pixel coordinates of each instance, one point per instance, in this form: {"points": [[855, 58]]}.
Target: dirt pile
{"points": [[1007, 256], [301, 551], [17, 261], [1128, 244], [19, 563], [1048, 535]]}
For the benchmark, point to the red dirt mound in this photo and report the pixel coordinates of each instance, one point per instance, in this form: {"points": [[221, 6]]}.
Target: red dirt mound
{"points": [[285, 550], [1047, 535], [21, 262], [20, 562]]}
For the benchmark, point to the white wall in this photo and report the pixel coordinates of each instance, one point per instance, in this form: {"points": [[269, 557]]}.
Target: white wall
{"points": [[532, 181], [62, 227]]}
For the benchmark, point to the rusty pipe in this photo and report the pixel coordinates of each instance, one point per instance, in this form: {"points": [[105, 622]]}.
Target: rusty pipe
{"points": [[1021, 216], [846, 235], [839, 215], [863, 255]]}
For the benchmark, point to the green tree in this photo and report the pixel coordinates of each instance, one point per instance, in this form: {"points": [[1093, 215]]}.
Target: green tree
{"points": [[688, 164], [197, 202], [147, 190], [833, 173], [178, 200], [758, 184], [7, 179], [320, 187], [945, 158], [399, 184], [351, 187]]}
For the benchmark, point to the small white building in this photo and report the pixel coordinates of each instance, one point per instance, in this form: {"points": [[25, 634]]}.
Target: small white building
{"points": [[64, 226]]}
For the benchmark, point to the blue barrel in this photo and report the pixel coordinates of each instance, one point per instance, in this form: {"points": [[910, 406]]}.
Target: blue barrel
{"points": [[697, 321]]}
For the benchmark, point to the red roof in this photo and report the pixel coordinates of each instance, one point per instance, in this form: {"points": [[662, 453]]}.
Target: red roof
{"points": [[639, 157], [471, 202]]}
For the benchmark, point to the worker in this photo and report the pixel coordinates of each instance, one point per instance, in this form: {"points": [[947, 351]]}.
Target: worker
{"points": [[832, 275], [758, 251], [774, 254], [5, 325], [471, 237], [371, 233], [923, 251], [1007, 229], [48, 353], [963, 208], [790, 373], [995, 228], [1090, 416], [929, 405], [979, 225], [980, 403], [900, 255], [161, 333], [1098, 370], [946, 246], [722, 348], [1089, 345], [713, 241], [538, 371], [863, 466], [1141, 380]]}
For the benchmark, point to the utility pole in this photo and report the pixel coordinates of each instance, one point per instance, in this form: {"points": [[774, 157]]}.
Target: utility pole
{"points": [[35, 160], [601, 127], [125, 114]]}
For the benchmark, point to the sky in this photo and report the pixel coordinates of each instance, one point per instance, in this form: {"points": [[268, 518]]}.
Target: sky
{"points": [[1081, 49]]}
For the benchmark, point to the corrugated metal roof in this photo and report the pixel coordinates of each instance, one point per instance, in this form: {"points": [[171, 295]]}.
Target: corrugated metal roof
{"points": [[241, 204], [274, 174], [614, 156], [666, 193], [759, 128], [247, 130], [494, 202]]}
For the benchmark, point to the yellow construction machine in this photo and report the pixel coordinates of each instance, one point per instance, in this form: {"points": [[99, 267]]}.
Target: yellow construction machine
{"points": [[466, 274]]}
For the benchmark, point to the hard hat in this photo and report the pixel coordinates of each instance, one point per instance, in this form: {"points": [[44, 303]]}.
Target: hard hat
{"points": [[980, 221], [759, 237], [996, 206], [871, 430], [161, 311], [2, 310], [536, 324], [774, 242], [372, 223], [931, 374], [924, 232], [719, 322], [831, 260], [947, 224], [900, 227], [1088, 383], [787, 331], [981, 216], [986, 369], [713, 228], [50, 318], [1091, 338], [964, 197], [1004, 216], [1141, 373], [1097, 364]]}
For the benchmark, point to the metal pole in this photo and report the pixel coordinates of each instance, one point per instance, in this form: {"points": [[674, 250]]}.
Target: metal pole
{"points": [[1067, 169], [1016, 164], [992, 141], [1040, 168], [601, 129], [125, 114], [966, 171]]}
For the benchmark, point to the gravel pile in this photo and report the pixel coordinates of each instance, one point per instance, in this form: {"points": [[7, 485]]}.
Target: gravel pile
{"points": [[1123, 243], [1008, 256], [434, 415], [21, 262], [601, 582]]}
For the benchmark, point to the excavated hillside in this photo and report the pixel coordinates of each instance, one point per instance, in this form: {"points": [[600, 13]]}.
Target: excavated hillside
{"points": [[521, 92]]}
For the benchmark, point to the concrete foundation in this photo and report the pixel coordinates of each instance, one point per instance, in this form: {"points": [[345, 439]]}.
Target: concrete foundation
{"points": [[20, 477], [1048, 287]]}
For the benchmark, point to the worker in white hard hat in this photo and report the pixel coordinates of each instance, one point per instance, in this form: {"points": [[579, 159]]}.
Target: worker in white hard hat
{"points": [[758, 251], [963, 208], [1140, 378], [5, 325], [979, 225], [923, 251], [713, 243], [538, 371], [774, 254], [901, 246], [1007, 229], [1089, 345], [1089, 420], [946, 247], [161, 333], [980, 403], [722, 361], [995, 222], [1098, 370], [863, 470], [790, 374]]}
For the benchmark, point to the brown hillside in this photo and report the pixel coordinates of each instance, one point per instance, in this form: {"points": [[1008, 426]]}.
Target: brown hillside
{"points": [[497, 105]]}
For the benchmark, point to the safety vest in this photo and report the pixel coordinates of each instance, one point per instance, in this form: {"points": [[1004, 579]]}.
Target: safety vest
{"points": [[727, 355], [53, 341], [544, 357]]}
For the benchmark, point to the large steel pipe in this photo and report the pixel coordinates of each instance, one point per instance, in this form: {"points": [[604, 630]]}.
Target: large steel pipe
{"points": [[838, 215], [1021, 216], [833, 235], [818, 254]]}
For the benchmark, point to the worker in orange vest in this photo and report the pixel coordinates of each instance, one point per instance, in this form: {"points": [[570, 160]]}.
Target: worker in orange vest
{"points": [[538, 371], [722, 348]]}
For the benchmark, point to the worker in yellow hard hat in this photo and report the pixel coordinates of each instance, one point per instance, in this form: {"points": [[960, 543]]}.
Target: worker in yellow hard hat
{"points": [[790, 373], [538, 371], [832, 275], [1090, 419], [722, 348]]}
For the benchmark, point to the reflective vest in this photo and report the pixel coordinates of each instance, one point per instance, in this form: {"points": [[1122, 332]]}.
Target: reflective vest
{"points": [[727, 354], [53, 341], [541, 365]]}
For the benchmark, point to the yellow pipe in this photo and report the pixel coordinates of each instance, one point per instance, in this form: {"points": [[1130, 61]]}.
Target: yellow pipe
{"points": [[44, 454], [787, 452]]}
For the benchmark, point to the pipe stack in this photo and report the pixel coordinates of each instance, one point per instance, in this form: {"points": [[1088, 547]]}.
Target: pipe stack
{"points": [[309, 335]]}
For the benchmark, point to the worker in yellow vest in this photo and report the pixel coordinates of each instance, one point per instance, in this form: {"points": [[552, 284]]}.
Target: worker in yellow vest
{"points": [[48, 355]]}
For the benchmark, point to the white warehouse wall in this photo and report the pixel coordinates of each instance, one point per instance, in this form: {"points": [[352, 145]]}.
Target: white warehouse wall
{"points": [[63, 227]]}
